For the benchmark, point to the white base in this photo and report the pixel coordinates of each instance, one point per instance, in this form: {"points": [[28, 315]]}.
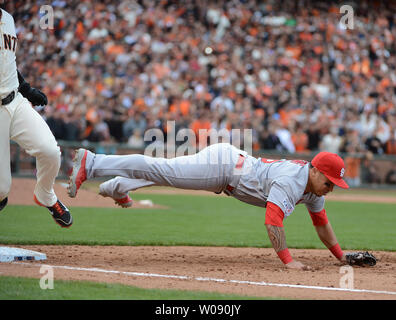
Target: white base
{"points": [[8, 254]]}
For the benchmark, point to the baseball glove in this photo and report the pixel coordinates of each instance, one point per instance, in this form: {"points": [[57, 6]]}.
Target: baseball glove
{"points": [[35, 96], [360, 259]]}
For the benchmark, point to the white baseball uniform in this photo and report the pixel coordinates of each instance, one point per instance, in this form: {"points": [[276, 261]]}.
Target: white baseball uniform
{"points": [[21, 123], [219, 167]]}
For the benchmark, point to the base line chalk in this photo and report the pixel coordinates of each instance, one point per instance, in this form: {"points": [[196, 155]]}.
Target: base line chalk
{"points": [[254, 283]]}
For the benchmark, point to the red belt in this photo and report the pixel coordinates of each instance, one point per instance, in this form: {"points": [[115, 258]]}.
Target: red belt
{"points": [[239, 165]]}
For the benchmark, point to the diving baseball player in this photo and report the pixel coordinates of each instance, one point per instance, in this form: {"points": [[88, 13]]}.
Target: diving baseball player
{"points": [[21, 123], [277, 185]]}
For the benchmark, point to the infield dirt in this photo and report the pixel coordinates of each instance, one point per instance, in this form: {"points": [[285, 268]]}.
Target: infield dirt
{"points": [[241, 264]]}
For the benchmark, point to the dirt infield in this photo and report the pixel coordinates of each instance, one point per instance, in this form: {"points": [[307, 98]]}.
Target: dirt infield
{"points": [[242, 271], [215, 269], [22, 193]]}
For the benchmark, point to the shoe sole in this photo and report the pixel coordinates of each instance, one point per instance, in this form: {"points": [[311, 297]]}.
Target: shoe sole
{"points": [[56, 221], [124, 205], [77, 166], [62, 225], [3, 203]]}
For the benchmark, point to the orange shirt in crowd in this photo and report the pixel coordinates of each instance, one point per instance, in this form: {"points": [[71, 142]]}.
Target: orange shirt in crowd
{"points": [[300, 141], [201, 138], [199, 124], [390, 147], [352, 167], [286, 115], [183, 107]]}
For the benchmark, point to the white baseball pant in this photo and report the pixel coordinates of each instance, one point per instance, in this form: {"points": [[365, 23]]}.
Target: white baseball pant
{"points": [[21, 123], [211, 169]]}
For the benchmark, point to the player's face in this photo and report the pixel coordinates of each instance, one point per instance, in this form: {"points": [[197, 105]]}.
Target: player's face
{"points": [[321, 184]]}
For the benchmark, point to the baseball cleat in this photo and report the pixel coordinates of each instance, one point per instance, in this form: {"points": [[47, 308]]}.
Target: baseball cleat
{"points": [[124, 202], [59, 213], [3, 203], [79, 174]]}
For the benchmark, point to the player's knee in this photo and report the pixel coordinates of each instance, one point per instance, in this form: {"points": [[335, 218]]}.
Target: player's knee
{"points": [[50, 152]]}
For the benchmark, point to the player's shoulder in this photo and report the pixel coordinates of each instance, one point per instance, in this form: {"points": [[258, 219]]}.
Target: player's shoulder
{"points": [[295, 168], [290, 174], [5, 15]]}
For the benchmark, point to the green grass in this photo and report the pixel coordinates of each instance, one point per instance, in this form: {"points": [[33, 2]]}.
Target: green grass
{"points": [[390, 192], [190, 220], [363, 226], [199, 220], [15, 288]]}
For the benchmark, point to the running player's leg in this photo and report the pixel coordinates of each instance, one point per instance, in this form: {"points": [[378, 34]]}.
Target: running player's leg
{"points": [[5, 167], [32, 133]]}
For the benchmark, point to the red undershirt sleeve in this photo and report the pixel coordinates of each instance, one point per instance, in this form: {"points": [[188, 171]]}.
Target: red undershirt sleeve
{"points": [[319, 218], [274, 215]]}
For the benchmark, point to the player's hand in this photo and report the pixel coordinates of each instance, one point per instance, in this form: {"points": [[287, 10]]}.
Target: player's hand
{"points": [[298, 265], [36, 97]]}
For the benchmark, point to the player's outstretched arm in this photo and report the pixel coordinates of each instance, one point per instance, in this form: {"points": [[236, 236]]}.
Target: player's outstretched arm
{"points": [[328, 237], [274, 223], [277, 237]]}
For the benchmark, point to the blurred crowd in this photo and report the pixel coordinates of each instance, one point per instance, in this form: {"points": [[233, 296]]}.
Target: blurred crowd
{"points": [[288, 70]]}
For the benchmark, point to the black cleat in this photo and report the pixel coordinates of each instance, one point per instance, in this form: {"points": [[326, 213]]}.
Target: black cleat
{"points": [[3, 203], [60, 213]]}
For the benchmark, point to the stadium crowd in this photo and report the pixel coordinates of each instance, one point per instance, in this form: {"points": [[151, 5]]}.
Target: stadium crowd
{"points": [[288, 70]]}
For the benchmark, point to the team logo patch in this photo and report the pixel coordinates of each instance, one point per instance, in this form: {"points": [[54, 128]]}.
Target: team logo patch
{"points": [[288, 207], [342, 172]]}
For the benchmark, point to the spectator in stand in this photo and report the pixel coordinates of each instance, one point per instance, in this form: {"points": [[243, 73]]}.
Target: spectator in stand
{"points": [[314, 136], [222, 103], [390, 146], [352, 166], [369, 170], [201, 127], [136, 122], [56, 123], [73, 126], [352, 143], [290, 59], [284, 135], [331, 142], [373, 144], [136, 140], [390, 177], [300, 139], [269, 140]]}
